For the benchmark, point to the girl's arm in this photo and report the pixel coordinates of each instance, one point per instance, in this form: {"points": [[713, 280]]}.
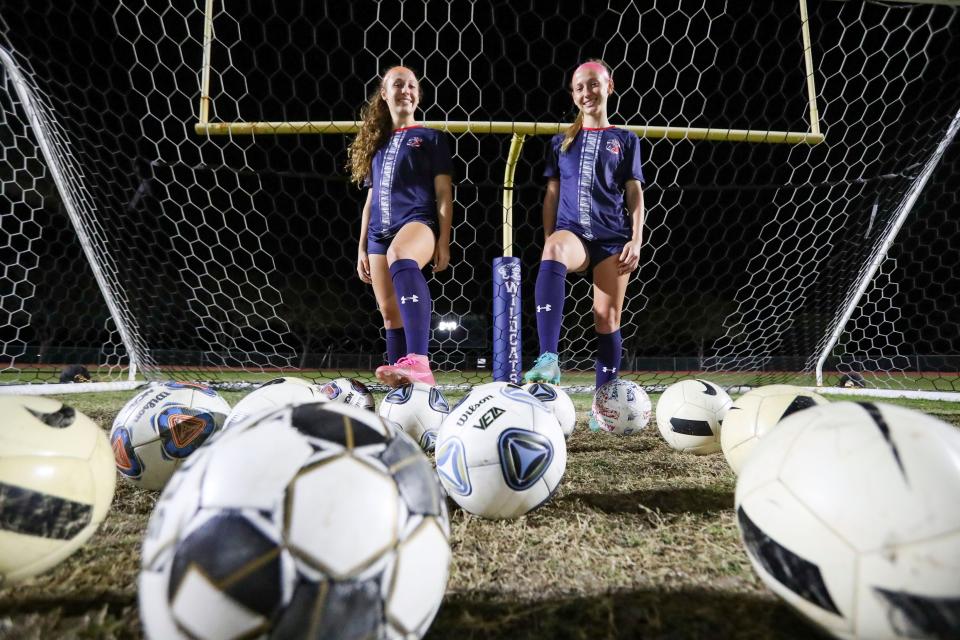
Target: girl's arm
{"points": [[363, 262], [443, 186], [630, 256]]}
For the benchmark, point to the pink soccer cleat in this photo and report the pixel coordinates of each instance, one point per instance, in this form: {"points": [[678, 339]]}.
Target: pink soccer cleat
{"points": [[409, 369]]}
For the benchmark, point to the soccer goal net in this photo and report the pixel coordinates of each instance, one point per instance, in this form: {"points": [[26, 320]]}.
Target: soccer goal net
{"points": [[176, 203]]}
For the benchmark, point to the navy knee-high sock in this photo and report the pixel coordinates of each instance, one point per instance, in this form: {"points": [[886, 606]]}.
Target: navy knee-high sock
{"points": [[413, 296], [396, 345], [609, 346], [549, 293]]}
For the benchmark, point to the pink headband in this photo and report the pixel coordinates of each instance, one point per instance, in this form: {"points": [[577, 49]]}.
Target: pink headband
{"points": [[596, 66]]}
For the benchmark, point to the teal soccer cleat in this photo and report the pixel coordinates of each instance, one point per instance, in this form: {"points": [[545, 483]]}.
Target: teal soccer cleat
{"points": [[545, 369]]}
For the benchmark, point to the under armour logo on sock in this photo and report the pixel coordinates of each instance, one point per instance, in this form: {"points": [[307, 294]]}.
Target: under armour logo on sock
{"points": [[612, 370], [545, 307], [413, 298]]}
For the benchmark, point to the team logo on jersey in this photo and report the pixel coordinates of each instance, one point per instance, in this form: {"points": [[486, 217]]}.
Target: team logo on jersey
{"points": [[415, 142], [613, 146]]}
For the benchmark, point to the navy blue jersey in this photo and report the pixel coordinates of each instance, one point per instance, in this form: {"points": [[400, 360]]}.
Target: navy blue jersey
{"points": [[402, 179], [593, 172]]}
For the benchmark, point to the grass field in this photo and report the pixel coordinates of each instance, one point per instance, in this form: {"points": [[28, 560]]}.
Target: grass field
{"points": [[639, 542]]}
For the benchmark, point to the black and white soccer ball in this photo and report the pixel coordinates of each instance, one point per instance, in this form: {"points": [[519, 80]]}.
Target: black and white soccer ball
{"points": [[56, 483], [418, 409], [310, 521], [849, 512], [689, 415], [500, 452], [349, 391], [273, 394], [754, 414]]}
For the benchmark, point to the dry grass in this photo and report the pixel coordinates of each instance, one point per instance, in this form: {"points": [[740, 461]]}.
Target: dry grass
{"points": [[640, 541]]}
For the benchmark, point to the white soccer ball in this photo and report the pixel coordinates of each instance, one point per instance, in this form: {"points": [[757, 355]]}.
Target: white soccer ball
{"points": [[621, 407], [848, 511], [418, 409], [558, 402], [350, 391], [755, 413], [162, 425], [274, 394], [689, 414], [316, 519], [56, 483], [500, 452]]}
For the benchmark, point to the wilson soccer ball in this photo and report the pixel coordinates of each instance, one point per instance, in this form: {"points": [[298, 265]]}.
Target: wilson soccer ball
{"points": [[56, 484], [274, 394], [349, 391], [689, 414], [418, 409], [755, 413], [558, 402], [162, 425], [311, 520], [621, 407], [848, 511], [500, 452]]}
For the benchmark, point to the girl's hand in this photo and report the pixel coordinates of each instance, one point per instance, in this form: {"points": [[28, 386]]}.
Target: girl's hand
{"points": [[629, 257], [363, 267], [441, 256]]}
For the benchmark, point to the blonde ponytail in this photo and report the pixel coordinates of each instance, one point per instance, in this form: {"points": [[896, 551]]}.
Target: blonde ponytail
{"points": [[571, 133]]}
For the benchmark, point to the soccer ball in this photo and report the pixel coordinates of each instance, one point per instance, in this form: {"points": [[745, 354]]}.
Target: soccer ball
{"points": [[848, 511], [56, 484], [500, 452], [621, 407], [315, 520], [350, 391], [272, 395], [161, 426], [755, 413], [689, 414], [418, 409], [559, 403]]}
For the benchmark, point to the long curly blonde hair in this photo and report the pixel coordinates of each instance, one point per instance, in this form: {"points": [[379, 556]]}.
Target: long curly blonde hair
{"points": [[375, 128], [571, 133]]}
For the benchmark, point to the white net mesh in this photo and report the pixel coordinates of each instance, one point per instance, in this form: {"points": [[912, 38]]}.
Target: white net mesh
{"points": [[234, 255]]}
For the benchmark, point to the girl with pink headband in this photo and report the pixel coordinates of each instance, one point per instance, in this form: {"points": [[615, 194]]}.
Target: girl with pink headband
{"points": [[406, 219], [592, 220]]}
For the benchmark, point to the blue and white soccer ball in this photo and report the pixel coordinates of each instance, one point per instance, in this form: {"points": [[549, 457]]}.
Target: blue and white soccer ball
{"points": [[274, 394], [161, 426], [418, 409], [500, 452], [558, 402], [316, 520], [349, 391], [621, 407]]}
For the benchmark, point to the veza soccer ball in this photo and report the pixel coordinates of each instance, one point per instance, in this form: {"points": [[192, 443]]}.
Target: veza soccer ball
{"points": [[272, 395], [848, 511], [689, 414], [56, 484], [316, 520], [418, 409], [755, 413], [621, 407], [162, 425], [500, 452], [558, 402], [349, 391]]}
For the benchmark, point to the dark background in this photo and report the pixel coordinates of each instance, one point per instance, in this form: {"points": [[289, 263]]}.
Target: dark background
{"points": [[241, 251]]}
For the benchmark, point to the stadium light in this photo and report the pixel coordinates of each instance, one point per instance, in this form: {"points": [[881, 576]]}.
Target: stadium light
{"points": [[447, 325]]}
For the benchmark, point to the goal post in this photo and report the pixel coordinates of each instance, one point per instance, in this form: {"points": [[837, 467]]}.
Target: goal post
{"points": [[779, 143]]}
